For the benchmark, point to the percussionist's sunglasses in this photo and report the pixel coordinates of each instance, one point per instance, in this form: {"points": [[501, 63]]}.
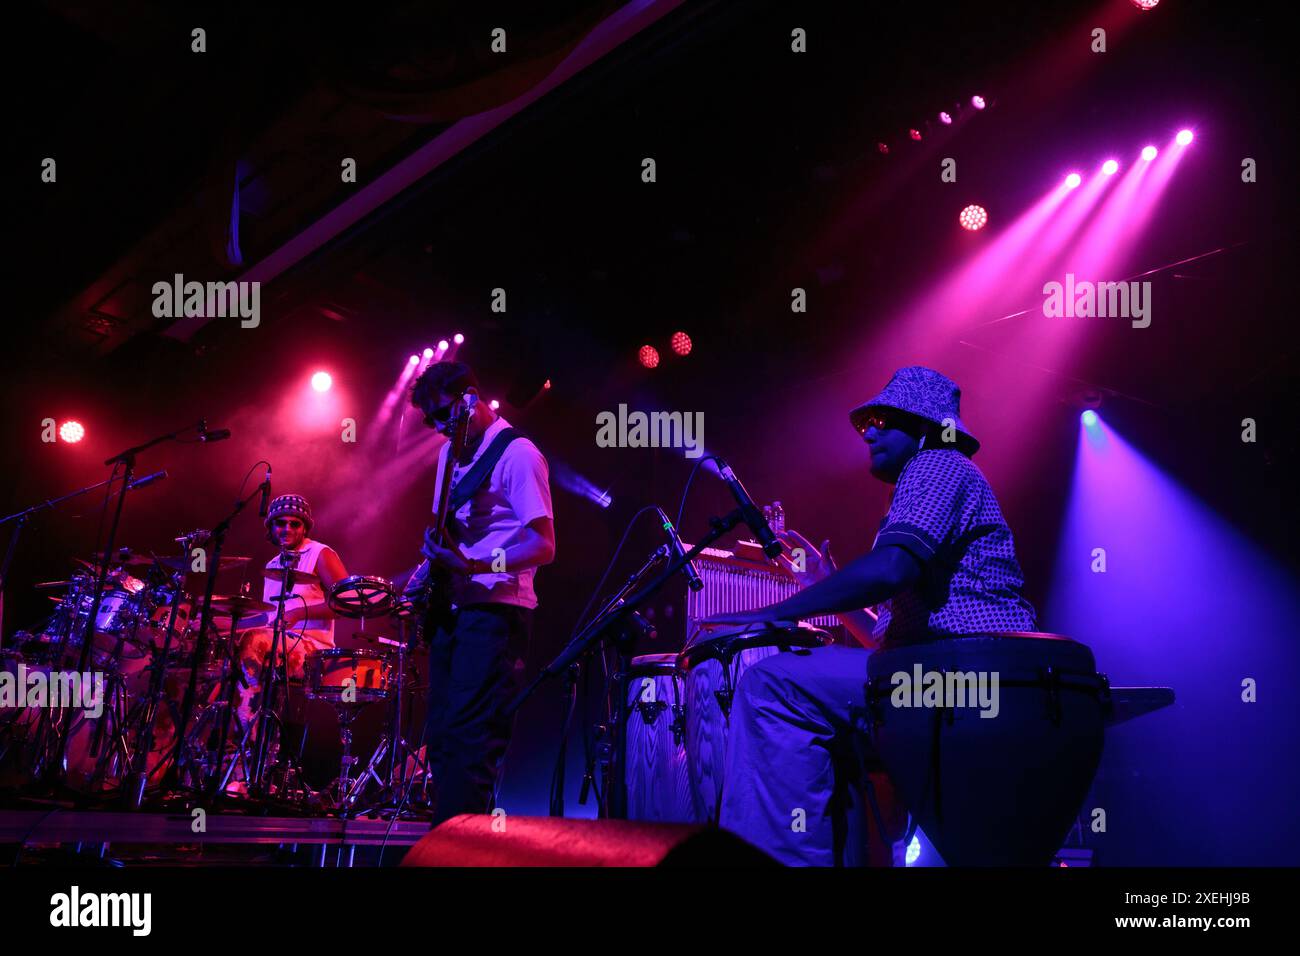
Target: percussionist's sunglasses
{"points": [[293, 523], [879, 420]]}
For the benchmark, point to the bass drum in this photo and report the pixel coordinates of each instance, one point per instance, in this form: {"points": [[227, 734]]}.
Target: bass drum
{"points": [[655, 766], [712, 663]]}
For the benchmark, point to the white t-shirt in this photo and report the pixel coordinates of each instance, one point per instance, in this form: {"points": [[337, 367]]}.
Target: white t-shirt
{"points": [[518, 491]]}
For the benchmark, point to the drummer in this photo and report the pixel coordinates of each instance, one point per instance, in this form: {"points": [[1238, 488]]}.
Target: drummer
{"points": [[309, 620], [943, 564]]}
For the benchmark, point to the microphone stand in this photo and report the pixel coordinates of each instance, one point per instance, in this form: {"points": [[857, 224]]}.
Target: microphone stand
{"points": [[269, 678], [615, 612]]}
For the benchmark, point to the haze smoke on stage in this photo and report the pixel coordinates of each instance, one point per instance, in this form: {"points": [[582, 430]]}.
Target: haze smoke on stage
{"points": [[1166, 593]]}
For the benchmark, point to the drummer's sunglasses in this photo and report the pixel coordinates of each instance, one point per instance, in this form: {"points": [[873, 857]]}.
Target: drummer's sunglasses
{"points": [[288, 523]]}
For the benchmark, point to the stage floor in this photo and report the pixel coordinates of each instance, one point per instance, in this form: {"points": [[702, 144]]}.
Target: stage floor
{"points": [[120, 838]]}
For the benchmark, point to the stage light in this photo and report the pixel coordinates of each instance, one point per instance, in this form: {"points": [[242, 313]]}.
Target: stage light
{"points": [[1089, 419], [915, 134], [1072, 181], [681, 343], [1110, 167], [546, 384], [458, 338], [882, 148], [913, 852], [494, 404], [414, 360], [1149, 153], [428, 353], [1184, 137], [648, 356], [322, 381], [945, 119], [1145, 5], [443, 345], [973, 217], [977, 102], [72, 432]]}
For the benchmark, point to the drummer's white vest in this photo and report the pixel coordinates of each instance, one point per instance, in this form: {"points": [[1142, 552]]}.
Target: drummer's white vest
{"points": [[318, 632]]}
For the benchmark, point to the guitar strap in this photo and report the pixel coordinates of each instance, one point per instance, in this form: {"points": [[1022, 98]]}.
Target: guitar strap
{"points": [[468, 486]]}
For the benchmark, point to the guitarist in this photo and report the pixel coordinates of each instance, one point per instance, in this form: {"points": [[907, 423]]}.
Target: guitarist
{"points": [[499, 530]]}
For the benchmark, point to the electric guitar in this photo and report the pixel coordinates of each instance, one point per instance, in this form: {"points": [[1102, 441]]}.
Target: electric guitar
{"points": [[432, 603]]}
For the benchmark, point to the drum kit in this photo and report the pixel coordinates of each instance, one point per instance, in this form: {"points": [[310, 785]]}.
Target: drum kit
{"points": [[142, 638]]}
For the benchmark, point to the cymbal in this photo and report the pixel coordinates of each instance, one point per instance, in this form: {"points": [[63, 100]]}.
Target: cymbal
{"points": [[185, 564], [295, 578], [117, 556], [240, 604]]}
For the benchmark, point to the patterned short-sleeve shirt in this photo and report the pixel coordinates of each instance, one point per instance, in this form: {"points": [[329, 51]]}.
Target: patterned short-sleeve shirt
{"points": [[944, 512]]}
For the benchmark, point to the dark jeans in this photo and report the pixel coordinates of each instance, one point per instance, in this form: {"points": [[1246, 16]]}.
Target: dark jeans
{"points": [[475, 669]]}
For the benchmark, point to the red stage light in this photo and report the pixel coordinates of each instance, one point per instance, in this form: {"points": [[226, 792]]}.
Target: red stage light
{"points": [[322, 381], [1073, 180], [458, 338], [72, 432], [973, 217], [648, 356], [977, 102], [443, 345], [495, 404], [1145, 5], [681, 343], [428, 353], [1110, 167], [546, 384], [914, 133], [414, 360], [883, 148], [1149, 153], [1184, 137], [945, 118]]}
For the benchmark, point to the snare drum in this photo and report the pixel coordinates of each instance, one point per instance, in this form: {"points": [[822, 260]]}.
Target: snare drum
{"points": [[994, 778], [713, 662], [655, 766], [344, 677]]}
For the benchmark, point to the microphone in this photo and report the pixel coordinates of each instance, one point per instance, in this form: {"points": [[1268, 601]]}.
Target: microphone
{"points": [[148, 480], [749, 513], [693, 579], [217, 434], [266, 494]]}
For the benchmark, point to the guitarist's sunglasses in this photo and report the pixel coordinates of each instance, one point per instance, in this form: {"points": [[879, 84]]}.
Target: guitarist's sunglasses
{"points": [[440, 416]]}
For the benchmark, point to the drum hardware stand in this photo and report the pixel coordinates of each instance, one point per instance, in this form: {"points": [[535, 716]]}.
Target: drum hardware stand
{"points": [[180, 758], [134, 783], [392, 744], [613, 612]]}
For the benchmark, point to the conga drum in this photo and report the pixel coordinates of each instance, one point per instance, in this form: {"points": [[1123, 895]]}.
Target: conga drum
{"points": [[991, 740], [713, 662], [655, 769]]}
